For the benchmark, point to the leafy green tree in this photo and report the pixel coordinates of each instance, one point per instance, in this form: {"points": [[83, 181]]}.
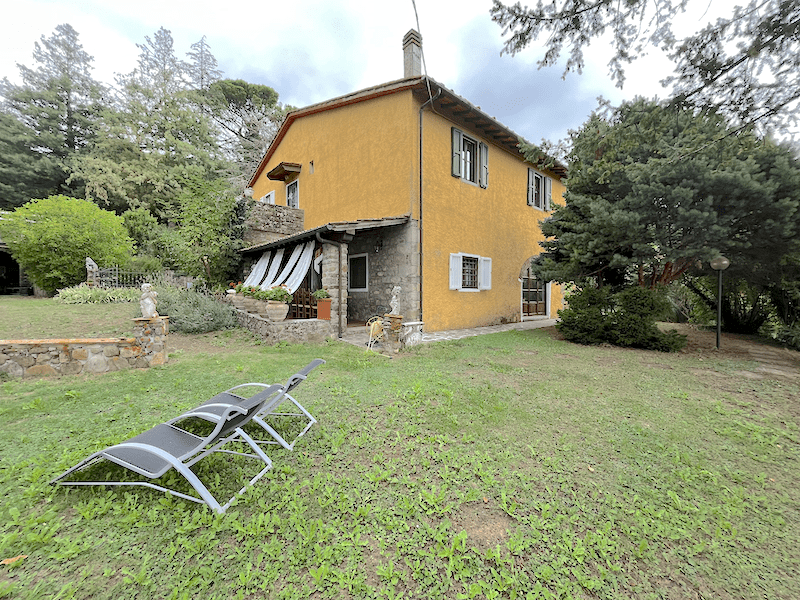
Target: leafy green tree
{"points": [[48, 120], [247, 116], [51, 237], [746, 65], [210, 219], [653, 190]]}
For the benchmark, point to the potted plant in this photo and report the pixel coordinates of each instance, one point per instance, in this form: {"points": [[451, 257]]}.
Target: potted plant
{"points": [[323, 304], [249, 292], [278, 299], [238, 297]]}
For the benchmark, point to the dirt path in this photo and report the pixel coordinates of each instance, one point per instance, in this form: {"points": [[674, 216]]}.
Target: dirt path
{"points": [[774, 360]]}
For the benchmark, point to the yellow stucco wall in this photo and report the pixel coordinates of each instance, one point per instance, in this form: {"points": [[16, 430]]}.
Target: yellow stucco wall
{"points": [[365, 161], [495, 222], [365, 165]]}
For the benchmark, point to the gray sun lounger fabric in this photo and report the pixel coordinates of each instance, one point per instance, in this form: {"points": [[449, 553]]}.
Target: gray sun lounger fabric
{"points": [[270, 408], [167, 446]]}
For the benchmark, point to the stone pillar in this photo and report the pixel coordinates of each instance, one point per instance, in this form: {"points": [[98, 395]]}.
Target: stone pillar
{"points": [[392, 326], [330, 281], [151, 337]]}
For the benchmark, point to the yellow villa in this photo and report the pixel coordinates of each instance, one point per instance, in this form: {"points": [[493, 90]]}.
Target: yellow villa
{"points": [[406, 185]]}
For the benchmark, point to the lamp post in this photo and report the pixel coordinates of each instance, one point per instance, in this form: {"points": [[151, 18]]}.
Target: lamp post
{"points": [[719, 264]]}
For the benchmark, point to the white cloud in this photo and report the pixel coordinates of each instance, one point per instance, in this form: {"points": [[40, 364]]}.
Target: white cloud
{"points": [[312, 50]]}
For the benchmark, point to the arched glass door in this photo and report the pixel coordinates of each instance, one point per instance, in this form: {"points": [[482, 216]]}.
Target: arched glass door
{"points": [[534, 295]]}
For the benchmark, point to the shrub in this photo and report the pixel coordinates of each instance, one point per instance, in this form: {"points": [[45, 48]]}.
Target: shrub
{"points": [[789, 335], [50, 238], [627, 318], [191, 311], [585, 319], [83, 294]]}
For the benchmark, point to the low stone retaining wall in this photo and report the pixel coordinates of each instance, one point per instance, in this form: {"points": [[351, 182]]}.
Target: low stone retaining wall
{"points": [[294, 331], [35, 358]]}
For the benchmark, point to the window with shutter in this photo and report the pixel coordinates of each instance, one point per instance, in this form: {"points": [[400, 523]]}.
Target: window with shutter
{"points": [[470, 273], [540, 190], [470, 159]]}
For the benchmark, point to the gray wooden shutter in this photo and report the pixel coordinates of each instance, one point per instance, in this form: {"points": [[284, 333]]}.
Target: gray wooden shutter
{"points": [[455, 271], [548, 192], [483, 175], [456, 161], [530, 187]]}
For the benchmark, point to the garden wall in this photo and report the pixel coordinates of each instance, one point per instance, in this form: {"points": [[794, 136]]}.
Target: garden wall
{"points": [[294, 331], [36, 358]]}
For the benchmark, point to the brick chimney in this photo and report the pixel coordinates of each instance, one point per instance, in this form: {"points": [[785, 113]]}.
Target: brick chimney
{"points": [[412, 54]]}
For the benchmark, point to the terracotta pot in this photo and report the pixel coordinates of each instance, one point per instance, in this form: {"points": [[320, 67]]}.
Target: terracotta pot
{"points": [[276, 311], [238, 301], [250, 304], [324, 309]]}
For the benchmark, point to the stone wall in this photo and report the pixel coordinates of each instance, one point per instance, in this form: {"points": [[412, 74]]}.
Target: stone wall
{"points": [[34, 358], [269, 222], [395, 263], [294, 331]]}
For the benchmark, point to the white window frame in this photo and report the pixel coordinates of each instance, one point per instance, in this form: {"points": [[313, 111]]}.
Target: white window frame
{"points": [[545, 186], [457, 272], [296, 185], [366, 272], [268, 198]]}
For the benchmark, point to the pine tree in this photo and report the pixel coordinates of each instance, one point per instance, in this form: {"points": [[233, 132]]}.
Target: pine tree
{"points": [[56, 110], [153, 138]]}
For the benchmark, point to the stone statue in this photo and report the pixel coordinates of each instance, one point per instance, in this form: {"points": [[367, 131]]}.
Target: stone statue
{"points": [[394, 303], [148, 301], [92, 272]]}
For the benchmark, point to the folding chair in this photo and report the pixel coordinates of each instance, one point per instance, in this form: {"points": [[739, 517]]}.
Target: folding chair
{"points": [[167, 446], [375, 330], [269, 408]]}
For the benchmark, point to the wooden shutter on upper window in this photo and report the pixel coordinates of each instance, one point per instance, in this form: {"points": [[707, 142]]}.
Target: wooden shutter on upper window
{"points": [[456, 145], [530, 187], [483, 174], [548, 192]]}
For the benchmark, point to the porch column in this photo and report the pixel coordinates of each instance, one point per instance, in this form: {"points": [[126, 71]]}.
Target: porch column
{"points": [[330, 281]]}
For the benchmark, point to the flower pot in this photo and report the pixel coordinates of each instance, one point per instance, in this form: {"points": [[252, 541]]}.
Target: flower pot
{"points": [[276, 311], [324, 309], [238, 301], [251, 304]]}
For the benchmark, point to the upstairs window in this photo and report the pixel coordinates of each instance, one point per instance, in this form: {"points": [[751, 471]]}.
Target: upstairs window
{"points": [[293, 195], [540, 190], [470, 273], [470, 159], [268, 198]]}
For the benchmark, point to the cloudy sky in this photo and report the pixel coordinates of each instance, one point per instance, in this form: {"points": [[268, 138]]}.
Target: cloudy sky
{"points": [[313, 50]]}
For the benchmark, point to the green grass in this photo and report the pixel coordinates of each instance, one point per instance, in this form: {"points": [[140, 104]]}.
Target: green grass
{"points": [[503, 466], [26, 317]]}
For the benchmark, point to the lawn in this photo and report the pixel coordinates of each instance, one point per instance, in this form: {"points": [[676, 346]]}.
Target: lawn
{"points": [[511, 465]]}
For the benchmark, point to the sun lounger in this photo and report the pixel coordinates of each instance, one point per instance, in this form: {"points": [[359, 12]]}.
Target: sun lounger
{"points": [[270, 409], [168, 446]]}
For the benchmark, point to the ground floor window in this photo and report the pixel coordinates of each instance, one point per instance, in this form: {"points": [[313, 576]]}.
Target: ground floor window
{"points": [[534, 295], [470, 273], [357, 273]]}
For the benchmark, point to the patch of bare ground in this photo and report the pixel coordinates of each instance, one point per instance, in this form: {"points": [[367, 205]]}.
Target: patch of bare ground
{"points": [[774, 361], [485, 523]]}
